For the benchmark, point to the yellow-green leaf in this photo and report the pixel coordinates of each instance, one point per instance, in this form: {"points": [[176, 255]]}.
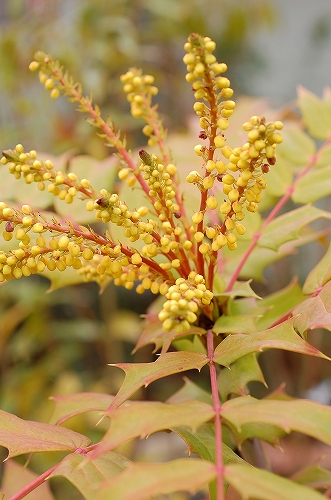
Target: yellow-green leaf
{"points": [[313, 186], [316, 113], [69, 405], [318, 276], [314, 312]]}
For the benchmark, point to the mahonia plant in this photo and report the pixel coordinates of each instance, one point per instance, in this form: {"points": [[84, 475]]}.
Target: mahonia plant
{"points": [[193, 257]]}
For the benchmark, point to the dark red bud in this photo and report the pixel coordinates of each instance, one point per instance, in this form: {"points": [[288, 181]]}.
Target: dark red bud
{"points": [[103, 202], [272, 160], [177, 215], [202, 135], [10, 227]]}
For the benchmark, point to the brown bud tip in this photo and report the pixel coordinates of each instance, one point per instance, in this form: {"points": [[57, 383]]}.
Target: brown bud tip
{"points": [[103, 202], [145, 157], [177, 215], [265, 168], [10, 227], [220, 177], [202, 135], [272, 160]]}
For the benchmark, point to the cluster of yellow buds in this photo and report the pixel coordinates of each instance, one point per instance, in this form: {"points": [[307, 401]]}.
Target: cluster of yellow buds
{"points": [[184, 299], [61, 184], [178, 255], [140, 91]]}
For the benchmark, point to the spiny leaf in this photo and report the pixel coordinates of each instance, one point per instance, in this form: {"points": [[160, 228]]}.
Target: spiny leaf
{"points": [[235, 380], [316, 113], [314, 312], [23, 436], [141, 418], [240, 289], [307, 417], [320, 275], [189, 391], [72, 404], [286, 227], [142, 481], [252, 483], [88, 474], [313, 186], [282, 336], [142, 374]]}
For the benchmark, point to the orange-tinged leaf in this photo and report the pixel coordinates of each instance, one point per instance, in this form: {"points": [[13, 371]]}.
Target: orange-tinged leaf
{"points": [[282, 336], [314, 312], [142, 374], [235, 380], [252, 483], [142, 418], [307, 417], [16, 476], [314, 476], [24, 436], [144, 481], [72, 404], [88, 474], [316, 113]]}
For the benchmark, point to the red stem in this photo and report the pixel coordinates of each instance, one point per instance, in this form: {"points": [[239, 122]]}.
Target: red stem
{"points": [[33, 485], [218, 423]]}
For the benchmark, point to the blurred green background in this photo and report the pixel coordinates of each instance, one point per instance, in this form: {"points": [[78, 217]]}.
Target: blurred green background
{"points": [[61, 342]]}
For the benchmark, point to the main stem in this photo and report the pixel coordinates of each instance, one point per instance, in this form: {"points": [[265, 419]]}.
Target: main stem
{"points": [[218, 423]]}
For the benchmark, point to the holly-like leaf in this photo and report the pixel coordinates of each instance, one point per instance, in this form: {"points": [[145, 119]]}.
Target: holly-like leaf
{"points": [[318, 276], [239, 289], [16, 476], [312, 186], [142, 374], [287, 227], [316, 113], [314, 312], [256, 483], [307, 417], [24, 436], [69, 405], [189, 391], [282, 336], [142, 418], [235, 380], [142, 481], [314, 476], [88, 474], [324, 156]]}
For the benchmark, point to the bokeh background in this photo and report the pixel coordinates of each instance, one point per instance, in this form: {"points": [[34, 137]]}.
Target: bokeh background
{"points": [[61, 342]]}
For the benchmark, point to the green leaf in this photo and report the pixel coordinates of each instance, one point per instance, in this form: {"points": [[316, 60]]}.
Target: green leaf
{"points": [[189, 391], [314, 312], [73, 404], [307, 417], [88, 474], [297, 147], [142, 481], [240, 289], [142, 374], [23, 436], [60, 279], [287, 227], [314, 476], [324, 156], [235, 380], [282, 336], [312, 186], [202, 442], [279, 177], [316, 113], [320, 275], [16, 476], [279, 303], [252, 483], [141, 418], [244, 323]]}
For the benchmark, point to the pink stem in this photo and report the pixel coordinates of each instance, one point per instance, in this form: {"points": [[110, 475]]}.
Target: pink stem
{"points": [[33, 485], [217, 409]]}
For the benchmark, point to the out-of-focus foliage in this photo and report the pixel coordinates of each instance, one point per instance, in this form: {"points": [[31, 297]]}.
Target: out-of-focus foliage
{"points": [[99, 40]]}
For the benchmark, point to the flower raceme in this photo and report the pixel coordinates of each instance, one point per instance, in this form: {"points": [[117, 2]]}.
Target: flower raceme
{"points": [[178, 254]]}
